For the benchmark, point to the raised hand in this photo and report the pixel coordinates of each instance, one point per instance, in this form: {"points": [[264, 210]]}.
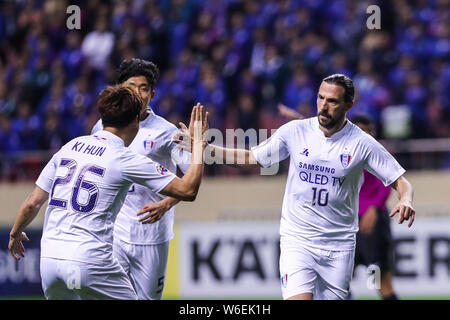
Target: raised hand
{"points": [[183, 138], [199, 122]]}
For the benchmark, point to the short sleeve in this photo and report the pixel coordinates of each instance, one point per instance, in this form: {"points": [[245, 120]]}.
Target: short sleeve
{"points": [[274, 149], [141, 170], [45, 179], [382, 164]]}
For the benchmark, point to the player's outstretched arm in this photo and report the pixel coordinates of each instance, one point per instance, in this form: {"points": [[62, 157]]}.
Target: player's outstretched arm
{"points": [[187, 187], [404, 206], [238, 158], [28, 211]]}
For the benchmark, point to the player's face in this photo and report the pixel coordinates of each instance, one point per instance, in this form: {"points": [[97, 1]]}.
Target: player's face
{"points": [[142, 88], [331, 107]]}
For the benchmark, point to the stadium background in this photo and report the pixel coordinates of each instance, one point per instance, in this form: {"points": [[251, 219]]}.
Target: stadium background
{"points": [[240, 59]]}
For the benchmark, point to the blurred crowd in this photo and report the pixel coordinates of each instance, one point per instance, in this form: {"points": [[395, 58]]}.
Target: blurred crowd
{"points": [[240, 58]]}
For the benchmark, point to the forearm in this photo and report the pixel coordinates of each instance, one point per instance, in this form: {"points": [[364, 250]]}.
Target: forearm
{"points": [[28, 211], [193, 176], [404, 206], [404, 190], [170, 202], [238, 158]]}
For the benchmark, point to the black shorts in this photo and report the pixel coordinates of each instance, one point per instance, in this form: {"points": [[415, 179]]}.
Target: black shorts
{"points": [[376, 247]]}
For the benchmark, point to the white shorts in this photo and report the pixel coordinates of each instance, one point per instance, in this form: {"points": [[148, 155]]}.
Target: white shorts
{"points": [[326, 274], [145, 265], [73, 280]]}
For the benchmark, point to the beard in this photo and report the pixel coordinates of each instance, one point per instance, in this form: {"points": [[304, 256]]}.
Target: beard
{"points": [[329, 122]]}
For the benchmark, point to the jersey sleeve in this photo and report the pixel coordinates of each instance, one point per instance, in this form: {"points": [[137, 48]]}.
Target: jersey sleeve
{"points": [[274, 149], [382, 164], [97, 127], [45, 179], [139, 169]]}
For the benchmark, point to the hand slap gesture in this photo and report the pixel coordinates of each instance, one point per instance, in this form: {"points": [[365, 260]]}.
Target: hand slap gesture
{"points": [[199, 122]]}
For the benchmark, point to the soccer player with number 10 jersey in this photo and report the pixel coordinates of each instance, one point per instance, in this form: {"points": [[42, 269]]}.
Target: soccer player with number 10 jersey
{"points": [[319, 218]]}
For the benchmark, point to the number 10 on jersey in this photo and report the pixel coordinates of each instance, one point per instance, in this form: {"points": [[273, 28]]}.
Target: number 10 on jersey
{"points": [[320, 197]]}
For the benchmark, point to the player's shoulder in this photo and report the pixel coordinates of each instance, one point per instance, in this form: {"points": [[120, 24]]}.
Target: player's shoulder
{"points": [[70, 144], [357, 133], [127, 155], [159, 123], [158, 128], [365, 142], [298, 124]]}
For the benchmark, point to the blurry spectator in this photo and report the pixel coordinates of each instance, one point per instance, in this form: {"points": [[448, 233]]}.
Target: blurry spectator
{"points": [[98, 44], [248, 83], [339, 63], [9, 138], [52, 136], [78, 103], [211, 91], [53, 101], [415, 96], [38, 80], [299, 89], [219, 52], [273, 76], [368, 84], [397, 75], [27, 126], [72, 56], [258, 50], [145, 49], [248, 114], [5, 106]]}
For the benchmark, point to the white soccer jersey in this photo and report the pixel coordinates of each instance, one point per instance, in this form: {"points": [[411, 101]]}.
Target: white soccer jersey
{"points": [[154, 140], [87, 181], [320, 205]]}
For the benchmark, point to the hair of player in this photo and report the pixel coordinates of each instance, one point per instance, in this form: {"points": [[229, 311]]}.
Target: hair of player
{"points": [[138, 67], [118, 106], [361, 119], [345, 82]]}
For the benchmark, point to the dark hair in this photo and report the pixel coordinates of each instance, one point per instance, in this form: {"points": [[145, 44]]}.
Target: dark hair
{"points": [[362, 119], [343, 81], [138, 67], [118, 106]]}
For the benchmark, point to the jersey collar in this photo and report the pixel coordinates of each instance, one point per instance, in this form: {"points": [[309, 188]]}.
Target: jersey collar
{"points": [[336, 135], [151, 115], [110, 137]]}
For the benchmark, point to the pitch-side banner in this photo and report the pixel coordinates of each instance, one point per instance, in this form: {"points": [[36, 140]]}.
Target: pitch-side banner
{"points": [[240, 260], [20, 278]]}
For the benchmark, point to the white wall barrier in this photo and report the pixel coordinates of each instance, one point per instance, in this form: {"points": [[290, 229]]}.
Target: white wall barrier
{"points": [[240, 260]]}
